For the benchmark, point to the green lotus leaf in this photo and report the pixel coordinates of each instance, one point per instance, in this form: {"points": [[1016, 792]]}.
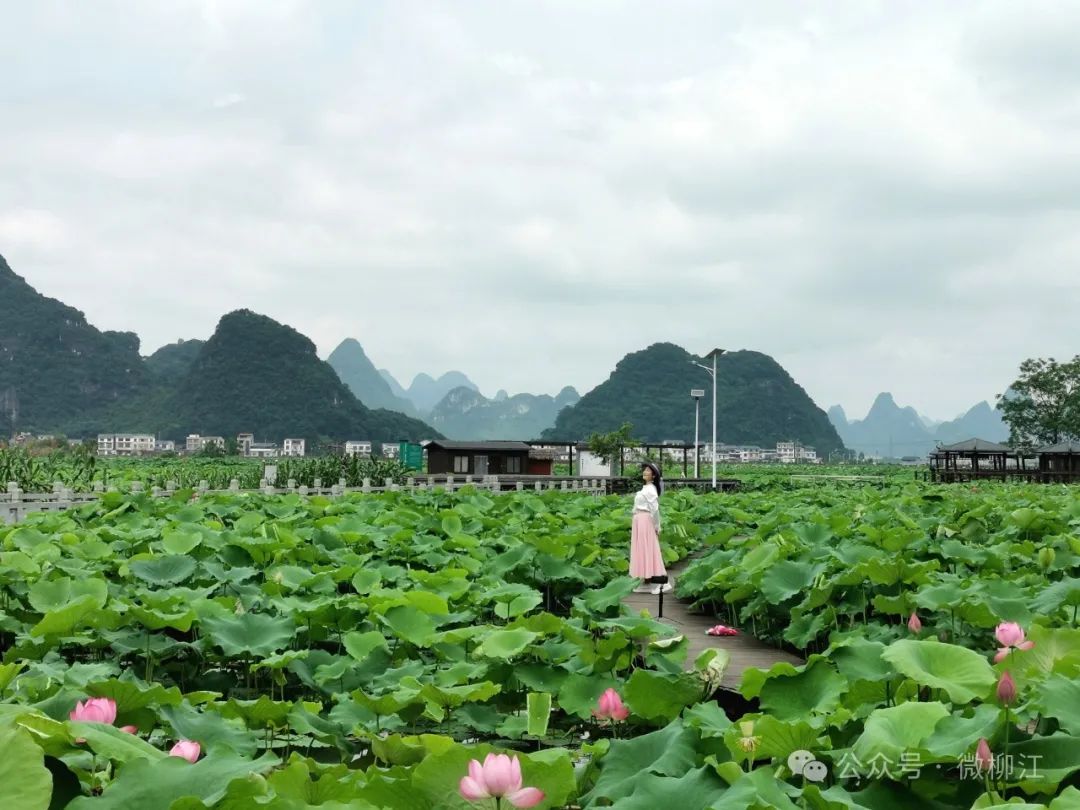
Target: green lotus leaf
{"points": [[27, 783], [410, 624], [667, 752], [256, 634], [48, 595], [210, 729], [813, 692], [361, 645], [131, 696], [178, 542], [168, 569], [505, 644], [602, 600], [660, 697], [1059, 697], [962, 673], [113, 743], [892, 731], [159, 783], [787, 578], [1042, 763], [81, 612]]}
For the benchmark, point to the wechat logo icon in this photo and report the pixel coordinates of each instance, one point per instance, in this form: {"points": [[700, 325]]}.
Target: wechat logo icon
{"points": [[805, 764]]}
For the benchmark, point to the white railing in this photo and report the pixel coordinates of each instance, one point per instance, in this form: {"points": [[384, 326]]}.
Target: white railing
{"points": [[16, 504]]}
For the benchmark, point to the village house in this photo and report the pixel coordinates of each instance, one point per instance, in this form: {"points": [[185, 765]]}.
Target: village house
{"points": [[125, 444], [196, 443]]}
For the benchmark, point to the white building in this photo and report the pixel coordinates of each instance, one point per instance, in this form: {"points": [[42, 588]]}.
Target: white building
{"points": [[263, 450], [164, 446], [196, 443], [358, 448], [293, 447], [795, 453], [125, 444], [244, 442]]}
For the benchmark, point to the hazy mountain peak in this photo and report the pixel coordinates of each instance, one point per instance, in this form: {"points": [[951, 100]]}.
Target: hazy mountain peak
{"points": [[369, 386]]}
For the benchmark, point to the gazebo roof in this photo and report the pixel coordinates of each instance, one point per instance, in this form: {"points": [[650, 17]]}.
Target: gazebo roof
{"points": [[479, 446], [1061, 447], [974, 446]]}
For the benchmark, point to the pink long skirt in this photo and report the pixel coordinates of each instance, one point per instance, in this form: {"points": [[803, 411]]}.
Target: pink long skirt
{"points": [[645, 558]]}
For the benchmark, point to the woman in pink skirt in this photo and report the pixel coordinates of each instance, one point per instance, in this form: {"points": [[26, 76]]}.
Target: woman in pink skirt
{"points": [[645, 558]]}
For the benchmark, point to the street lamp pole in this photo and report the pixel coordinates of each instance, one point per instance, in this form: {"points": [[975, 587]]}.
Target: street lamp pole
{"points": [[697, 394], [715, 353]]}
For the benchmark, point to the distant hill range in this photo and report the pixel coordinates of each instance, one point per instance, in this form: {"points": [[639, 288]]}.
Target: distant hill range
{"points": [[890, 431], [59, 374], [365, 381], [758, 403], [465, 413]]}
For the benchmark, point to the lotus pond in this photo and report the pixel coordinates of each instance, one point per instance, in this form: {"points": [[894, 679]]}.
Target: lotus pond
{"points": [[244, 651]]}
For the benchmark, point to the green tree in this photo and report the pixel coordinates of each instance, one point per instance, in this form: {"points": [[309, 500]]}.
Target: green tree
{"points": [[1043, 405], [608, 446]]}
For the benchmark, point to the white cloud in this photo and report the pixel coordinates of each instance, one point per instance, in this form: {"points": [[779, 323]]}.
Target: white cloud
{"points": [[527, 193]]}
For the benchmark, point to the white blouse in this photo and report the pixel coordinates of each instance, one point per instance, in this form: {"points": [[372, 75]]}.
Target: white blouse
{"points": [[647, 500]]}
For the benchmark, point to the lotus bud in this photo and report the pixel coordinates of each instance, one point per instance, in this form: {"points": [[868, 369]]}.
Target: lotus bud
{"points": [[1006, 689], [1046, 557], [914, 625], [984, 758], [186, 749]]}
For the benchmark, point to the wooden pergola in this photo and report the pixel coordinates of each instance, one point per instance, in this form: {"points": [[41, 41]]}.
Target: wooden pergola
{"points": [[976, 458], [1060, 461]]}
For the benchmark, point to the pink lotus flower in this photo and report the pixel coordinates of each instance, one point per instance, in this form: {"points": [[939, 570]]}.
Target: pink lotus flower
{"points": [[130, 729], [1010, 635], [914, 625], [984, 758], [186, 749], [611, 707], [1006, 689], [95, 710], [498, 777]]}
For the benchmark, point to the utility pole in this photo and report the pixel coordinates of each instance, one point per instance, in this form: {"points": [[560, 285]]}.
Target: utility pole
{"points": [[715, 353], [697, 394]]}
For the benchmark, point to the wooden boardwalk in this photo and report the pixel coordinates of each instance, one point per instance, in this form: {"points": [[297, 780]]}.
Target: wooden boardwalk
{"points": [[746, 651]]}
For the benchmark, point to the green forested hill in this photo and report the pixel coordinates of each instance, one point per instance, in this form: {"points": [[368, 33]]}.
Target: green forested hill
{"points": [[257, 375], [757, 402], [54, 366], [173, 360]]}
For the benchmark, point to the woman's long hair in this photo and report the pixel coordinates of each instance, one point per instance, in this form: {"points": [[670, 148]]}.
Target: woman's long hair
{"points": [[655, 477]]}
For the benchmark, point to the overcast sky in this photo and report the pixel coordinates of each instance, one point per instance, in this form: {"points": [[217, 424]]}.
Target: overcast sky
{"points": [[880, 195]]}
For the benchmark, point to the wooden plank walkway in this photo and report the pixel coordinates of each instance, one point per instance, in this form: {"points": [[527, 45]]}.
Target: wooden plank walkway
{"points": [[745, 650]]}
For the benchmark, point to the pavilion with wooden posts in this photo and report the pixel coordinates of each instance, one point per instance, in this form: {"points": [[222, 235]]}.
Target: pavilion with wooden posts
{"points": [[978, 458], [1060, 462]]}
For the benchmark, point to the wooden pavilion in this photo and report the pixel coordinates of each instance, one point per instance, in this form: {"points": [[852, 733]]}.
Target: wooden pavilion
{"points": [[977, 458], [1060, 462]]}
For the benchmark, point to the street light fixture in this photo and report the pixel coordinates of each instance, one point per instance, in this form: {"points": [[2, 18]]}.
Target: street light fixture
{"points": [[715, 353], [697, 394]]}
